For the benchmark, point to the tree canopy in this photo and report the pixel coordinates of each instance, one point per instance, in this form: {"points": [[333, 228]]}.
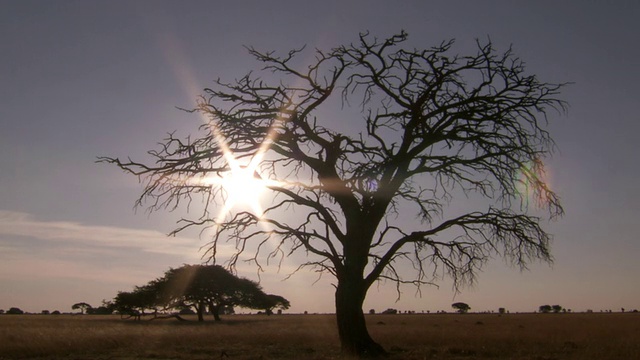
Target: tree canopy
{"points": [[203, 288], [209, 286], [545, 308], [433, 126], [268, 302], [461, 307], [15, 311], [82, 306]]}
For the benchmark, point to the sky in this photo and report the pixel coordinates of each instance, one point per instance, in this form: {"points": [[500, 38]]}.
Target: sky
{"points": [[81, 79]]}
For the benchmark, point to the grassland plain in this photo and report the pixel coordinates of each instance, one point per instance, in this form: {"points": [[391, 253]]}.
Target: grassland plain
{"points": [[432, 336]]}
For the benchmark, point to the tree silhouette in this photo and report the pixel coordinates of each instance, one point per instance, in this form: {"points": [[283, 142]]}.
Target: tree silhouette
{"points": [[545, 308], [214, 288], [129, 304], [15, 311], [136, 303], [106, 308], [268, 302], [83, 306], [461, 307], [433, 127], [200, 287]]}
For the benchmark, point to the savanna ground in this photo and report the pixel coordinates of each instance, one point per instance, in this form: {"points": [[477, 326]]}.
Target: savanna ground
{"points": [[433, 336]]}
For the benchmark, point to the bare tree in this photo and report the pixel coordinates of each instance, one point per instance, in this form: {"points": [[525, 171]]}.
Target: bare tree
{"points": [[433, 127]]}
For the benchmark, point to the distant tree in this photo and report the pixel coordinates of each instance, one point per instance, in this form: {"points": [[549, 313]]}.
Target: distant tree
{"points": [[45, 312], [433, 126], [461, 307], [100, 310], [556, 308], [269, 302], [138, 302], [1, 311], [212, 287], [15, 311], [82, 306], [278, 302], [502, 310], [55, 312], [390, 311], [127, 303], [545, 308], [372, 311]]}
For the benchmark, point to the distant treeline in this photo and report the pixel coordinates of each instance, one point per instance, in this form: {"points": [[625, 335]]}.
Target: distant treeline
{"points": [[190, 289]]}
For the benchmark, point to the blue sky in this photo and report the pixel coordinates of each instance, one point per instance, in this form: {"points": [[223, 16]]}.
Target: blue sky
{"points": [[80, 79]]}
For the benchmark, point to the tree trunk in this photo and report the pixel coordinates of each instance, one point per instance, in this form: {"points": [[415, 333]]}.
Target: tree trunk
{"points": [[200, 307], [215, 310], [352, 328]]}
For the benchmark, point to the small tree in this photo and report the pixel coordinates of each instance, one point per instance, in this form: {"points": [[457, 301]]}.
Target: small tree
{"points": [[135, 303], [82, 306], [15, 311], [107, 308], [269, 302], [545, 309], [502, 310], [213, 287], [461, 307], [556, 308], [101, 310]]}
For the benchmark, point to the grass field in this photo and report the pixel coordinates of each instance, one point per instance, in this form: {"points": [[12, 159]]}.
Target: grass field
{"points": [[433, 336]]}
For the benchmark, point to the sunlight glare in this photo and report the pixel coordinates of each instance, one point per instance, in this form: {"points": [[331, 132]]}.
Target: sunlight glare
{"points": [[243, 186]]}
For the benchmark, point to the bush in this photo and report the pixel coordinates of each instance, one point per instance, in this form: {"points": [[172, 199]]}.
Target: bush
{"points": [[15, 311], [101, 310], [545, 308]]}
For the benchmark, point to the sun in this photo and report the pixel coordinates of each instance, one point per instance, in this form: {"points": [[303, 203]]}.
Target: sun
{"points": [[243, 187]]}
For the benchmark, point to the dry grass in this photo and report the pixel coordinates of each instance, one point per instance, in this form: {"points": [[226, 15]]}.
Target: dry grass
{"points": [[435, 336]]}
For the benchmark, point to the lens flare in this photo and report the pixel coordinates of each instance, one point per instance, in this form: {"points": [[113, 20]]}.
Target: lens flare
{"points": [[533, 183]]}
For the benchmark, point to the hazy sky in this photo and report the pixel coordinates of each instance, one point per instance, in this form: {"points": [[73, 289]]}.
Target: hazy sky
{"points": [[79, 79]]}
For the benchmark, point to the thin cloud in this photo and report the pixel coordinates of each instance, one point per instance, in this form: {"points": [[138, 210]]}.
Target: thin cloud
{"points": [[18, 224]]}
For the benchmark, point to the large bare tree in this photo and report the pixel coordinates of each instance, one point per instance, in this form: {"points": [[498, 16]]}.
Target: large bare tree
{"points": [[429, 127]]}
